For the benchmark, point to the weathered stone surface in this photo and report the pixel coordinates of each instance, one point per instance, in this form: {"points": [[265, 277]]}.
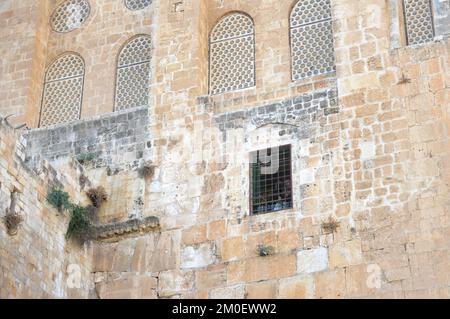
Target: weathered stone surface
{"points": [[198, 257], [346, 254], [300, 287], [314, 260]]}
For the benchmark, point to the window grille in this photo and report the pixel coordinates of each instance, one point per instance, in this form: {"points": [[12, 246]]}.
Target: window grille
{"points": [[133, 73], [63, 90], [271, 180], [70, 15], [232, 54], [137, 4], [418, 21], [311, 33]]}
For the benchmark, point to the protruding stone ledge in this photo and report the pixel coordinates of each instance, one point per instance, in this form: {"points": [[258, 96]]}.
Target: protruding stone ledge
{"points": [[115, 232]]}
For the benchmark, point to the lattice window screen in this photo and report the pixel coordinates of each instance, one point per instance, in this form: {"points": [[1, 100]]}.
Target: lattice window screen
{"points": [[137, 4], [312, 47], [63, 90], [133, 73], [70, 15], [419, 21], [232, 54]]}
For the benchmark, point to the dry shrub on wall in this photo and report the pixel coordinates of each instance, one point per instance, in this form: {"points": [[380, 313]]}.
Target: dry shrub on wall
{"points": [[12, 222], [330, 226], [97, 196]]}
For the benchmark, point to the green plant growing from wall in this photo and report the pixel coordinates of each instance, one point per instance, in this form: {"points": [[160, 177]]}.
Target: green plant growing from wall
{"points": [[86, 158], [79, 225], [59, 199], [265, 250]]}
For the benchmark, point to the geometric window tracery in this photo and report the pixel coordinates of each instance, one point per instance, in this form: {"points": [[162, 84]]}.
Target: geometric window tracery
{"points": [[419, 21], [133, 73], [232, 54], [137, 4], [311, 35], [70, 15], [63, 90]]}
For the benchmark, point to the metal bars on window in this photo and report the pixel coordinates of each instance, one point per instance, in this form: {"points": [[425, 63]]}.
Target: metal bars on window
{"points": [[271, 180]]}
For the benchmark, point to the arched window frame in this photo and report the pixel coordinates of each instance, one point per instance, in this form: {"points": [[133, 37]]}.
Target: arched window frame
{"points": [[120, 67], [216, 89], [327, 22], [48, 81]]}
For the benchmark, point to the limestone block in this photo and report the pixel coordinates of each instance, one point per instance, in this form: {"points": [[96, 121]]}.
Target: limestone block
{"points": [[313, 260], [325, 290], [198, 256], [300, 287], [346, 254], [211, 277], [163, 251], [262, 290], [175, 282], [237, 292], [261, 268]]}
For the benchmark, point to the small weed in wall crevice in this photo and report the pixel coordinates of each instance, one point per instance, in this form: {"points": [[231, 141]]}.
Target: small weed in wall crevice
{"points": [[12, 222], [147, 170], [330, 226], [86, 158], [266, 250], [59, 199], [97, 196]]}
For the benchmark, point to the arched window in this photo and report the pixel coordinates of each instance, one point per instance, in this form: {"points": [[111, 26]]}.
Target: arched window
{"points": [[133, 73], [312, 46], [418, 21], [232, 54], [63, 90]]}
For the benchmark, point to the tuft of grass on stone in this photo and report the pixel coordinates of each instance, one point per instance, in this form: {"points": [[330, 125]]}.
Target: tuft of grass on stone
{"points": [[59, 199], [86, 158], [265, 250]]}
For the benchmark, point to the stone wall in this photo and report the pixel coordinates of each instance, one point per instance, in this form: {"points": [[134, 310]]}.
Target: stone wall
{"points": [[38, 262], [370, 148], [116, 141]]}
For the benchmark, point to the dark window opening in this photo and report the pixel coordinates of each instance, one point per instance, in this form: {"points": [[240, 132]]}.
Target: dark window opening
{"points": [[271, 180]]}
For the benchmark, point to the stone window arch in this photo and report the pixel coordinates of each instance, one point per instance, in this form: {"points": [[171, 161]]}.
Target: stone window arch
{"points": [[133, 73], [311, 36], [232, 54], [418, 15], [63, 90]]}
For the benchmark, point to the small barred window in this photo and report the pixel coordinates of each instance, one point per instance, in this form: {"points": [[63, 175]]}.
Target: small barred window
{"points": [[133, 73], [232, 54], [419, 21], [70, 15], [137, 4], [312, 47], [271, 180], [63, 90]]}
